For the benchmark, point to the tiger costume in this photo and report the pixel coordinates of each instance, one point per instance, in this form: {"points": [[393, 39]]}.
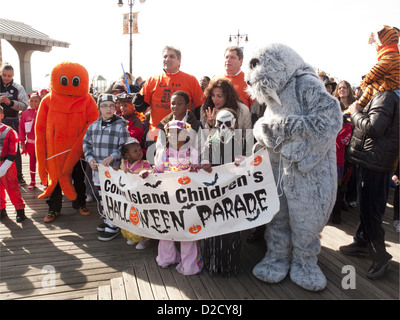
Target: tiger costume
{"points": [[385, 75]]}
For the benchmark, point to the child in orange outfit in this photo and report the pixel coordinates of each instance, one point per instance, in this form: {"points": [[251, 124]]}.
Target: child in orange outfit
{"points": [[384, 75], [27, 135], [8, 171]]}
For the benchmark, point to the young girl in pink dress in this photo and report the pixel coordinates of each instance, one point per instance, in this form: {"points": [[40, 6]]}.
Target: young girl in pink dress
{"points": [[133, 162], [176, 155], [27, 135]]}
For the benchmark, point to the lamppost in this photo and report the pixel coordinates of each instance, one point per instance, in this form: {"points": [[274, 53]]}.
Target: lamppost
{"points": [[130, 3], [239, 37]]}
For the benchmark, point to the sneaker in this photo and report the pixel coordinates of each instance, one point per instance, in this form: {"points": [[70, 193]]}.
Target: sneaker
{"points": [[142, 244], [89, 198], [130, 242], [354, 249], [3, 213], [32, 186], [84, 211], [21, 181], [108, 236], [51, 215], [102, 227], [396, 225], [378, 269], [21, 215]]}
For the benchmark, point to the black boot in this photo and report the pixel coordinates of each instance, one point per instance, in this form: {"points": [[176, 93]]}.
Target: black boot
{"points": [[3, 213], [21, 215]]}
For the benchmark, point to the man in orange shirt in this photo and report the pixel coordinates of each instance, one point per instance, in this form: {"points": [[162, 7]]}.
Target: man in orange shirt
{"points": [[233, 73], [158, 89]]}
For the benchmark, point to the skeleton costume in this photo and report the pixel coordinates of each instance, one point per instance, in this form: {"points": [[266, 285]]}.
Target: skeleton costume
{"points": [[221, 254]]}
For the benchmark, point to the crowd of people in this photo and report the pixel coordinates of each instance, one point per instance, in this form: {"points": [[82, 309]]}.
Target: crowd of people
{"points": [[145, 127]]}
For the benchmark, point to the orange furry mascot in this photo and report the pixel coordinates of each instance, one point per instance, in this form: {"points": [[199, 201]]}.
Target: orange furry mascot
{"points": [[62, 120]]}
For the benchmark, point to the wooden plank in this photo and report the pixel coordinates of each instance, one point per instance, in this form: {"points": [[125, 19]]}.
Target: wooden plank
{"points": [[105, 292], [117, 289], [142, 281], [131, 288], [90, 297], [170, 284], [155, 280]]}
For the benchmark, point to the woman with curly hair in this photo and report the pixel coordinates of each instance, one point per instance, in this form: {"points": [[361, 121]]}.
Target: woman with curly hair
{"points": [[221, 94]]}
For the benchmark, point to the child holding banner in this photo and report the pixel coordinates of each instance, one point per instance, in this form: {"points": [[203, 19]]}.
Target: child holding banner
{"points": [[177, 154], [224, 145], [133, 162], [101, 144]]}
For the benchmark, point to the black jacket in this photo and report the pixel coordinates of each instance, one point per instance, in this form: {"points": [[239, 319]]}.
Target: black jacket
{"points": [[375, 141]]}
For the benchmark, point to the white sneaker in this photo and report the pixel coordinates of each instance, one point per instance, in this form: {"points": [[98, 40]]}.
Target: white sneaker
{"points": [[396, 225], [143, 244], [130, 242]]}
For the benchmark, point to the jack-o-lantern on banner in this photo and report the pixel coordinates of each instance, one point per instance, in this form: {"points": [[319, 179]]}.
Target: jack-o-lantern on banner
{"points": [[188, 206]]}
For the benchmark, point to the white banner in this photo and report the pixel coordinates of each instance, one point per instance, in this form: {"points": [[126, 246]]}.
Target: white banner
{"points": [[188, 206]]}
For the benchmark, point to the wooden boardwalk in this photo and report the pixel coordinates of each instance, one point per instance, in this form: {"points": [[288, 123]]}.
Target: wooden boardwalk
{"points": [[64, 260]]}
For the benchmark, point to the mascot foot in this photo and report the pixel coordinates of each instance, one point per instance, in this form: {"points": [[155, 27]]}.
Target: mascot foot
{"points": [[272, 270], [308, 276]]}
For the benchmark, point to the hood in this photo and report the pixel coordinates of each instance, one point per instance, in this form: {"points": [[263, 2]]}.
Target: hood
{"points": [[270, 69]]}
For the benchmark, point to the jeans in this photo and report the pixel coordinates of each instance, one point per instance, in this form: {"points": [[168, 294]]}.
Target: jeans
{"points": [[372, 194]]}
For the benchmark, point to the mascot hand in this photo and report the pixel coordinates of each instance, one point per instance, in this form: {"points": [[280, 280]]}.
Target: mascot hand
{"points": [[139, 103], [294, 151]]}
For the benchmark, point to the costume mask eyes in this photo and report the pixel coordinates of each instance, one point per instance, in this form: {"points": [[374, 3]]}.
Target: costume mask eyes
{"points": [[254, 63], [76, 81], [221, 124], [64, 80]]}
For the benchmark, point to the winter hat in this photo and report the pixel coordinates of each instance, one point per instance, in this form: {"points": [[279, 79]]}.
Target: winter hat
{"points": [[131, 140], [105, 97], [386, 35]]}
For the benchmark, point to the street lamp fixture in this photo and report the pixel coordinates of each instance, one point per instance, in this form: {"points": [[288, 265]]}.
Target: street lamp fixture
{"points": [[130, 3], [238, 37]]}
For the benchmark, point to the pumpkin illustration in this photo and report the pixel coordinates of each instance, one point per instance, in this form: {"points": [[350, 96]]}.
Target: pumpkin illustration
{"points": [[184, 180], [195, 229], [256, 161], [134, 216]]}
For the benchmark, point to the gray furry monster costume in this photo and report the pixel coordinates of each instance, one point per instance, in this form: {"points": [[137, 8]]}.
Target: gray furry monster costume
{"points": [[299, 128]]}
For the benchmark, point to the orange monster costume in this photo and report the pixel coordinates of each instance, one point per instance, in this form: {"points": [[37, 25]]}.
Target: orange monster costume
{"points": [[62, 120]]}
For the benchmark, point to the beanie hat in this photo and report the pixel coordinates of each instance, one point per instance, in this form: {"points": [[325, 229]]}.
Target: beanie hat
{"points": [[105, 97]]}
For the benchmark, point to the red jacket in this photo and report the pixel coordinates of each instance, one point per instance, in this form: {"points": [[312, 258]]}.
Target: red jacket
{"points": [[342, 139], [27, 126], [8, 145]]}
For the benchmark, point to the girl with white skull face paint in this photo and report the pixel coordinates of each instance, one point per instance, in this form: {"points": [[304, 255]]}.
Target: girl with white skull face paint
{"points": [[226, 124], [225, 144]]}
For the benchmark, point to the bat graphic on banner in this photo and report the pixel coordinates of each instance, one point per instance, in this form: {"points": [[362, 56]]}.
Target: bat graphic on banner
{"points": [[153, 185], [210, 184]]}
